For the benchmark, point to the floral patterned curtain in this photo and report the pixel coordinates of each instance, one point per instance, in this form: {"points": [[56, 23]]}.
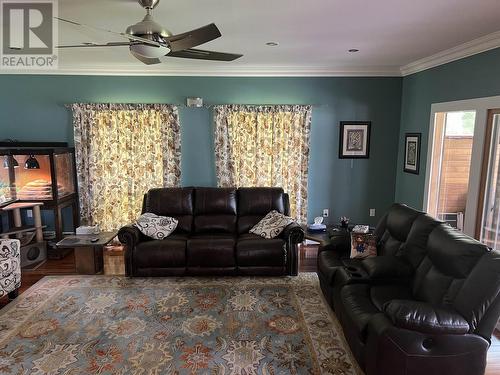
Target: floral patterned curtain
{"points": [[122, 151], [265, 146]]}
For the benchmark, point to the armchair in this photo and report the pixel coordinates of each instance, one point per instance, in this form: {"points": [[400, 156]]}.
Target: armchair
{"points": [[10, 267]]}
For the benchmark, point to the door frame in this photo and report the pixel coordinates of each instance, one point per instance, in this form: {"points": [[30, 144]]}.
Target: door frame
{"points": [[481, 107], [485, 169]]}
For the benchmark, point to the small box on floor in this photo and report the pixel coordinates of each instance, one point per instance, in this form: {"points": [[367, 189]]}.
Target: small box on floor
{"points": [[114, 262]]}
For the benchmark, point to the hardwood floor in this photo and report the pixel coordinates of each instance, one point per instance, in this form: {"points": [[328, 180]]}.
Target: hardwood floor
{"points": [[65, 266], [307, 263]]}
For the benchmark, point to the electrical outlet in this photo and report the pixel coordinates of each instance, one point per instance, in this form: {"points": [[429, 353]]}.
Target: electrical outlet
{"points": [[372, 212], [326, 212], [29, 213]]}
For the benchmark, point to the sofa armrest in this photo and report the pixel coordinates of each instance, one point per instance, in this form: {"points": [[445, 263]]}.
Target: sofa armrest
{"points": [[425, 318], [387, 268], [393, 351], [11, 266], [293, 233], [130, 236], [341, 245]]}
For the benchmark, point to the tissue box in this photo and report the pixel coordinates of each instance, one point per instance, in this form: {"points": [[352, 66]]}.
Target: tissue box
{"points": [[87, 230]]}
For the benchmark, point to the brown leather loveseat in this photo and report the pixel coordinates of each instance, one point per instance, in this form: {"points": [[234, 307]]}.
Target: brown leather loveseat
{"points": [[212, 236]]}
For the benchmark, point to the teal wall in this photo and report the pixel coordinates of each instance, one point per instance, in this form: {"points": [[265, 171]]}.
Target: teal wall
{"points": [[32, 108], [473, 77]]}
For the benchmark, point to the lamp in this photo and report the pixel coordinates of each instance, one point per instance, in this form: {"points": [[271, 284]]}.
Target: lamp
{"points": [[15, 164], [31, 163]]}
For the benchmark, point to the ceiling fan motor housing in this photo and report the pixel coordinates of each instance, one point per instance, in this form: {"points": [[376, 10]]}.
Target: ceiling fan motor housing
{"points": [[149, 4], [148, 27]]}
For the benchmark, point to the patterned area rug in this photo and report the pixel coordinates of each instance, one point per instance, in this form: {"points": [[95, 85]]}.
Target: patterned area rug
{"points": [[114, 325]]}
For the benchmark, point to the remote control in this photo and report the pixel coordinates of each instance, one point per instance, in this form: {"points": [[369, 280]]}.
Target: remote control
{"points": [[94, 239]]}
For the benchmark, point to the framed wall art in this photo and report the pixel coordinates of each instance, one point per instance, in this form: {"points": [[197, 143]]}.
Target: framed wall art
{"points": [[354, 139], [412, 153]]}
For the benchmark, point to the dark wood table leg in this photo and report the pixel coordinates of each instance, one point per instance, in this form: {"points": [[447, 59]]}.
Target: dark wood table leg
{"points": [[14, 294], [88, 260]]}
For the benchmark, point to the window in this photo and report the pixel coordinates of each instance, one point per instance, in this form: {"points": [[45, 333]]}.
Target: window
{"points": [[122, 151], [264, 146], [462, 171]]}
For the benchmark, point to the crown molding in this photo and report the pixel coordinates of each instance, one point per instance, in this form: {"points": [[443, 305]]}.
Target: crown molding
{"points": [[221, 71], [482, 44], [479, 45]]}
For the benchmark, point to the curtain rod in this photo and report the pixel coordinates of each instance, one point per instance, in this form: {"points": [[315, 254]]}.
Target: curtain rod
{"points": [[182, 105]]}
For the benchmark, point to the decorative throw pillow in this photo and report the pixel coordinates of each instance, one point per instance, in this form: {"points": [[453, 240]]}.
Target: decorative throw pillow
{"points": [[271, 225], [154, 226], [363, 245]]}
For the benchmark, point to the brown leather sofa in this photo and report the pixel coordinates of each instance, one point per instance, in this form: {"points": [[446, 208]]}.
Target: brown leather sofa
{"points": [[427, 305], [212, 236]]}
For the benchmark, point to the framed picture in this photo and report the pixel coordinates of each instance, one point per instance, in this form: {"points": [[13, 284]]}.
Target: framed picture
{"points": [[412, 153], [354, 139]]}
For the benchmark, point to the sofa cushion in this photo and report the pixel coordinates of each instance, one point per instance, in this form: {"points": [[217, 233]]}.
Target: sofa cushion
{"points": [[453, 252], [255, 203], [387, 268], [173, 202], [260, 252], [381, 294], [215, 201], [154, 226], [248, 236], [328, 263], [271, 225], [415, 248], [215, 224], [215, 210], [211, 251], [358, 307], [451, 256], [426, 318], [393, 229], [481, 309], [163, 253]]}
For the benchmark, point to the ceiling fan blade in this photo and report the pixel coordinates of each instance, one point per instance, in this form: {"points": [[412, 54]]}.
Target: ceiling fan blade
{"points": [[205, 55], [124, 35], [146, 60], [193, 38], [86, 45]]}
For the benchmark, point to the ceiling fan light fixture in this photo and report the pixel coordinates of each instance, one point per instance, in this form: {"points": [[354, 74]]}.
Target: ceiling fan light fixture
{"points": [[152, 52]]}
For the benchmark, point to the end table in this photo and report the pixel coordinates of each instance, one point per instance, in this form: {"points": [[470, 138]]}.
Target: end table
{"points": [[323, 237], [88, 255]]}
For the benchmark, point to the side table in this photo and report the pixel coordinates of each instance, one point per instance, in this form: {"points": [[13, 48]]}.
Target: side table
{"points": [[323, 237], [88, 255]]}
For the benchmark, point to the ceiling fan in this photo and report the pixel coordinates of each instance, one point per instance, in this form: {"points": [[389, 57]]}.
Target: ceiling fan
{"points": [[148, 40]]}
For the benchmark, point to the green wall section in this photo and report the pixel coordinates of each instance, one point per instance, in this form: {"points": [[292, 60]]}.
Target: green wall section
{"points": [[473, 77], [32, 108]]}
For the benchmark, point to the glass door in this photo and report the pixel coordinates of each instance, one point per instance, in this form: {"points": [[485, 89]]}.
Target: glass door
{"points": [[489, 200], [452, 145]]}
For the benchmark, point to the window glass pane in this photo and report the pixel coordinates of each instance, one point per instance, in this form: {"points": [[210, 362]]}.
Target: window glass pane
{"points": [[451, 158]]}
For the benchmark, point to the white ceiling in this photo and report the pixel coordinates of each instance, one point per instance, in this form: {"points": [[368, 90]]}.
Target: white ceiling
{"points": [[313, 35]]}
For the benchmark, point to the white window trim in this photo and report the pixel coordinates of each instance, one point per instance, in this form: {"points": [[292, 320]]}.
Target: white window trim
{"points": [[481, 107]]}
